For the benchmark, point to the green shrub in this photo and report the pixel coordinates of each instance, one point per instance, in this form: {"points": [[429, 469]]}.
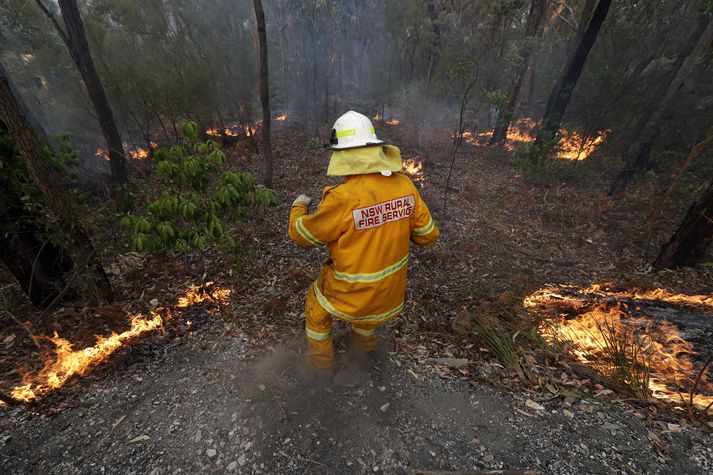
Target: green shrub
{"points": [[196, 199]]}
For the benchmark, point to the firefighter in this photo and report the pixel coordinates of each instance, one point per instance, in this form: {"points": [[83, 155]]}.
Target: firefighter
{"points": [[367, 223]]}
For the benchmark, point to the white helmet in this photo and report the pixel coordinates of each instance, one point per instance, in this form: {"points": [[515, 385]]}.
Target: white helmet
{"points": [[353, 130]]}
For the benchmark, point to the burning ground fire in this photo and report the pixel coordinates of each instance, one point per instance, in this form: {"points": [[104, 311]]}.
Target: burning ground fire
{"points": [[612, 333], [67, 362], [572, 145], [413, 168], [136, 153]]}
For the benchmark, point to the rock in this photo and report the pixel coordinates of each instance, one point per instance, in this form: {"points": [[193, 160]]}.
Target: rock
{"points": [[610, 426], [488, 458], [533, 405], [5, 439], [153, 302], [233, 466], [262, 387], [211, 453], [567, 413], [385, 407], [242, 459]]}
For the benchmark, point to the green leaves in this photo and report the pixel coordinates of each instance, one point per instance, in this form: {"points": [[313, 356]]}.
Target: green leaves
{"points": [[191, 210], [264, 196], [190, 131]]}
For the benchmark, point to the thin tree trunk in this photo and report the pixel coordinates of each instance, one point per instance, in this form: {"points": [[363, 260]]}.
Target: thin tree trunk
{"points": [[76, 40], [693, 236], [505, 114], [264, 94], [562, 92], [56, 200], [662, 199], [638, 153]]}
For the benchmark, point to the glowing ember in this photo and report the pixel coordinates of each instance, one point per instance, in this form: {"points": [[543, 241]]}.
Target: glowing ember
{"points": [[281, 118], [102, 153], [393, 121], [413, 168], [653, 359], [377, 118], [231, 133], [67, 362]]}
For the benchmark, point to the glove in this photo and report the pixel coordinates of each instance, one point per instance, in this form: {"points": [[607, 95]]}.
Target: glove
{"points": [[302, 199]]}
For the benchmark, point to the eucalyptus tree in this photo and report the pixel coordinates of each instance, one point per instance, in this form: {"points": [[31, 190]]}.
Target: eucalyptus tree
{"points": [[74, 36]]}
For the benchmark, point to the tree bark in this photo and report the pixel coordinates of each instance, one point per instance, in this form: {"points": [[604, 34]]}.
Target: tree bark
{"points": [[264, 94], [532, 27], [562, 92], [76, 40], [638, 153], [693, 236], [47, 181], [38, 265]]}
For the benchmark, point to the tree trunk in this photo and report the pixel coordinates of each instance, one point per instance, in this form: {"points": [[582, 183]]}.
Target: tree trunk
{"points": [[76, 40], [37, 264], [693, 236], [264, 94], [562, 92], [534, 19], [638, 153], [56, 201]]}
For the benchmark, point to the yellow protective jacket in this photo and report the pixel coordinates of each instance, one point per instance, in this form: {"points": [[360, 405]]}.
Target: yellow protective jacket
{"points": [[367, 223]]}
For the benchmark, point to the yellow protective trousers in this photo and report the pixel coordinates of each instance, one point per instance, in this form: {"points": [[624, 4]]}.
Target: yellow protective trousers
{"points": [[318, 327]]}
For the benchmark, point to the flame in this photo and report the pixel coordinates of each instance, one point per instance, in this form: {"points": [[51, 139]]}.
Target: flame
{"points": [[101, 153], [213, 132], [281, 118], [393, 121], [672, 373], [413, 168], [67, 362], [575, 146], [196, 295], [377, 117], [572, 145], [139, 153]]}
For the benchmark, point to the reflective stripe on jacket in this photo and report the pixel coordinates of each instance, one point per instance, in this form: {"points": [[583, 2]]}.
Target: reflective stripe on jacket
{"points": [[367, 223]]}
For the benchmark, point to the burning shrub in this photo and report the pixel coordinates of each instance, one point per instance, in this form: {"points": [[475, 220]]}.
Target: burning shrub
{"points": [[197, 195]]}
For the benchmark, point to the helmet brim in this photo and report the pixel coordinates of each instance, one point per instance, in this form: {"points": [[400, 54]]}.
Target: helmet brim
{"points": [[368, 144]]}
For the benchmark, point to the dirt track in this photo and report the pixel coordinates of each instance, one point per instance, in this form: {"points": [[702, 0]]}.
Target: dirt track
{"points": [[214, 404]]}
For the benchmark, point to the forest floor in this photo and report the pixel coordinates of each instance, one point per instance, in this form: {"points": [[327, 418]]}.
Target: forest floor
{"points": [[230, 392]]}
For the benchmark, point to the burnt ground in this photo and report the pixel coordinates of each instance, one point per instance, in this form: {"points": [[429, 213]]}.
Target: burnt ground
{"points": [[232, 394]]}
